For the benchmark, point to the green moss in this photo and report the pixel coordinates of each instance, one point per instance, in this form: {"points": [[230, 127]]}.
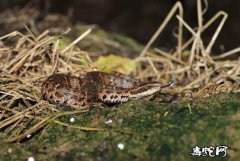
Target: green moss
{"points": [[149, 131]]}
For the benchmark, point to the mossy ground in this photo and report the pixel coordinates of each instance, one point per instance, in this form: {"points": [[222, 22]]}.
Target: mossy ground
{"points": [[149, 131]]}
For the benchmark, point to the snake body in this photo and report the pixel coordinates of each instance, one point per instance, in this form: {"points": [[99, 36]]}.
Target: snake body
{"points": [[77, 92]]}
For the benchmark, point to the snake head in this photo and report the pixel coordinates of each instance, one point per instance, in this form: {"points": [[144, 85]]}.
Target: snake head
{"points": [[145, 90]]}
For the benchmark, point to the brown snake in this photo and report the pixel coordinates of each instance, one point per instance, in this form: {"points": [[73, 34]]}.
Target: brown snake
{"points": [[77, 92]]}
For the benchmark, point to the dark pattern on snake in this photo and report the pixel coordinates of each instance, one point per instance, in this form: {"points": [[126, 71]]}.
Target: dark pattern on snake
{"points": [[77, 92]]}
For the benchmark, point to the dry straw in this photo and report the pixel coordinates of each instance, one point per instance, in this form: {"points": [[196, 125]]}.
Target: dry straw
{"points": [[191, 65], [24, 64]]}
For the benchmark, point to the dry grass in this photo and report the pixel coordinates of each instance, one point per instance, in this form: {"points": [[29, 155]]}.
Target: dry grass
{"points": [[24, 65], [191, 65], [28, 59]]}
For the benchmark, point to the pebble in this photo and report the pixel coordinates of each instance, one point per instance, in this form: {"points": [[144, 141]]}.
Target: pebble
{"points": [[72, 119], [31, 159], [108, 122], [120, 146]]}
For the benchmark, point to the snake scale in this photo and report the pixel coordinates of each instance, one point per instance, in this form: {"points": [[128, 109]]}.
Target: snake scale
{"points": [[95, 86]]}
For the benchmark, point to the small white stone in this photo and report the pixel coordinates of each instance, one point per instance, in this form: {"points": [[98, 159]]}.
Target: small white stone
{"points": [[31, 159], [28, 136], [9, 150], [108, 122], [120, 146], [72, 119]]}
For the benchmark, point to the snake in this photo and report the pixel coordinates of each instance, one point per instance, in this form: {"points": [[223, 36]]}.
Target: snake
{"points": [[65, 90]]}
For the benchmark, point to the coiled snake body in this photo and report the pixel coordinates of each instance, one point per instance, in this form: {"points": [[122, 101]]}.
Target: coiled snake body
{"points": [[77, 92]]}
